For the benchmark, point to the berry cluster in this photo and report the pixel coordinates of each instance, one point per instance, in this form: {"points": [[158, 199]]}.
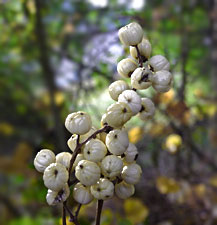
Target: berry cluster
{"points": [[103, 161]]}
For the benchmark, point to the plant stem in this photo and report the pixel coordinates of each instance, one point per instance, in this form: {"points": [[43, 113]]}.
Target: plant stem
{"points": [[64, 215], [79, 145], [139, 56], [99, 211]]}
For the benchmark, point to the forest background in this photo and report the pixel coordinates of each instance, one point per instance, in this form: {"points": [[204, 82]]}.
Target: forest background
{"points": [[60, 56]]}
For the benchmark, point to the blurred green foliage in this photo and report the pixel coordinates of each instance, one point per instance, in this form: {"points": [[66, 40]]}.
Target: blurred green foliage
{"points": [[72, 70]]}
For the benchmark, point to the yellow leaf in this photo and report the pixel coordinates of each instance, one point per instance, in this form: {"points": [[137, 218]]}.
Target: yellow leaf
{"points": [[173, 142], [67, 221], [135, 210], [213, 181], [6, 129], [167, 97], [167, 185], [157, 129], [135, 134], [200, 190]]}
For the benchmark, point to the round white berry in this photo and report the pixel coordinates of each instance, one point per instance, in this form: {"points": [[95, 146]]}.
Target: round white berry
{"points": [[111, 166], [94, 150], [82, 194], [55, 197], [131, 154], [161, 81], [78, 158], [87, 172], [116, 88], [43, 159], [103, 189], [126, 67], [131, 34], [55, 176], [117, 141], [131, 173], [64, 159], [132, 99], [118, 114], [124, 190], [159, 62], [148, 109], [144, 49], [78, 123], [140, 78]]}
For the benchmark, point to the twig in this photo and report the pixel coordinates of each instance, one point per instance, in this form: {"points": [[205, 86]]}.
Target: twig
{"points": [[139, 56], [64, 215], [78, 210], [79, 145], [99, 211]]}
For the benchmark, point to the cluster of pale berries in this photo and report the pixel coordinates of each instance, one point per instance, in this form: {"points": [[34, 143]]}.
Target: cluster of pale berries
{"points": [[106, 163]]}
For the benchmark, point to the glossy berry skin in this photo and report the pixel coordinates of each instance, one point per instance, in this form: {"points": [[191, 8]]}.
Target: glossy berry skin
{"points": [[56, 197], [131, 173], [87, 172], [117, 141], [78, 123], [131, 98], [131, 34], [124, 190], [148, 109], [43, 159], [55, 176], [126, 67], [161, 81], [116, 88], [140, 78], [82, 194], [64, 159], [159, 62], [94, 150], [144, 49], [111, 166], [103, 189], [118, 114]]}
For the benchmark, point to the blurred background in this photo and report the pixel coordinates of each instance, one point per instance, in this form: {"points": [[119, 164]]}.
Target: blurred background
{"points": [[60, 56]]}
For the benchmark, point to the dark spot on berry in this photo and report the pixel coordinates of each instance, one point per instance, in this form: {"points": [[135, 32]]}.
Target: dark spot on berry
{"points": [[81, 166], [88, 152], [107, 196], [142, 108], [136, 156], [98, 189], [129, 74], [82, 114], [129, 100], [124, 110], [123, 155], [116, 136], [55, 172]]}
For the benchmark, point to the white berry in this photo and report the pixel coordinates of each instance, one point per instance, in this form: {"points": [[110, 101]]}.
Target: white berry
{"points": [[124, 190], [131, 173], [94, 150], [159, 62], [131, 34], [87, 172], [116, 88], [117, 141], [126, 67], [78, 123], [103, 189], [55, 197], [82, 194], [132, 99], [43, 159], [111, 166], [55, 176], [148, 109], [64, 159]]}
